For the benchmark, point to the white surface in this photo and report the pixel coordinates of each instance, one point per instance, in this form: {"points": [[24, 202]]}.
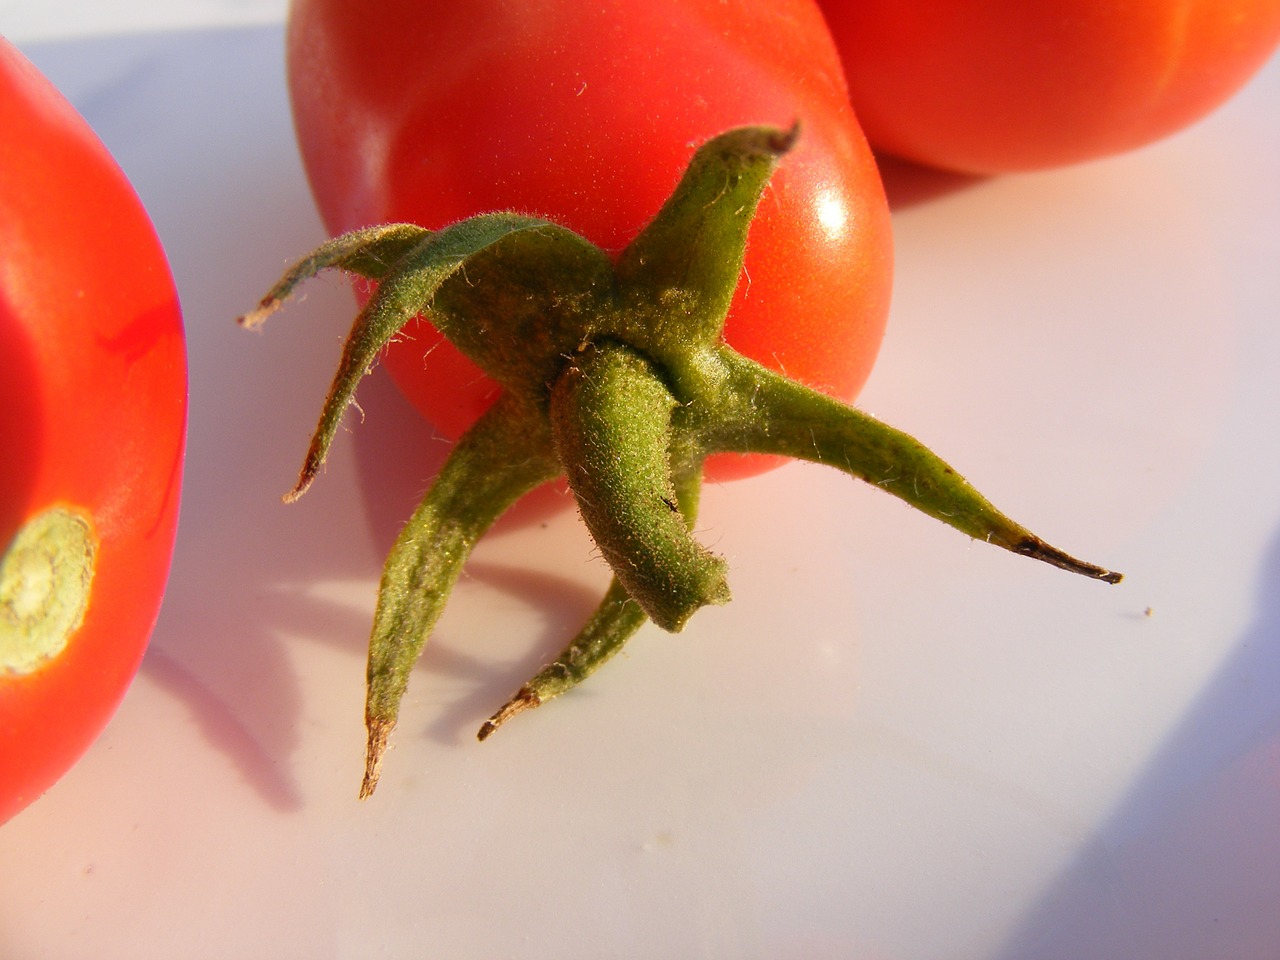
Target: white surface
{"points": [[893, 744], [26, 21]]}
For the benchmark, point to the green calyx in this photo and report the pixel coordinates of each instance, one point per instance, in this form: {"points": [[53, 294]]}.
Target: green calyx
{"points": [[615, 376]]}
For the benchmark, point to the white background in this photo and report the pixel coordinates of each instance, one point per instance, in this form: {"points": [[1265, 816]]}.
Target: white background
{"points": [[895, 743]]}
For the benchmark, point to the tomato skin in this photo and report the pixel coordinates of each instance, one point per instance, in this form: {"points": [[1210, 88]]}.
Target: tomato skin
{"points": [[94, 389], [586, 114], [987, 87]]}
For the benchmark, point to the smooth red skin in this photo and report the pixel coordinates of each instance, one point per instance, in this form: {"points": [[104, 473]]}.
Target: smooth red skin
{"points": [[587, 113], [93, 401], [989, 86]]}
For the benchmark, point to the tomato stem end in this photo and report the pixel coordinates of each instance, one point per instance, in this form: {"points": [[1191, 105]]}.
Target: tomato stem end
{"points": [[614, 375]]}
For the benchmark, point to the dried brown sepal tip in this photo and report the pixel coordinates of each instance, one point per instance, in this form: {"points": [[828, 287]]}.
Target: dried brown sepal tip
{"points": [[379, 734], [525, 699], [307, 475], [1039, 550], [256, 317], [781, 141]]}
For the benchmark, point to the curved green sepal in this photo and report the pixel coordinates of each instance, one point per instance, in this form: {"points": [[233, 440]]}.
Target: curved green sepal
{"points": [[405, 290], [677, 278], [612, 624], [503, 456], [368, 253], [790, 419], [611, 418]]}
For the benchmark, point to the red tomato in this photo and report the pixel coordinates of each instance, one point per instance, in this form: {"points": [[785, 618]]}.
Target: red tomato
{"points": [[587, 114], [985, 86], [92, 421]]}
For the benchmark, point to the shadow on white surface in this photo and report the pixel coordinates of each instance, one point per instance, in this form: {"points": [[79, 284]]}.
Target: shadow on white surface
{"points": [[1188, 866]]}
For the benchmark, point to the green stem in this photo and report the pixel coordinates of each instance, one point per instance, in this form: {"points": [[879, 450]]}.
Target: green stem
{"points": [[611, 417], [503, 456]]}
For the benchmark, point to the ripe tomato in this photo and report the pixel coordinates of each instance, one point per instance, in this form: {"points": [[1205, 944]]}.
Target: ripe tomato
{"points": [[92, 421], [987, 87], [587, 114]]}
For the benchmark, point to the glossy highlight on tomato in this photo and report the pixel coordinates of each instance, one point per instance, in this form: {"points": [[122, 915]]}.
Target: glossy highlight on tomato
{"points": [[988, 87], [587, 115], [93, 395]]}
